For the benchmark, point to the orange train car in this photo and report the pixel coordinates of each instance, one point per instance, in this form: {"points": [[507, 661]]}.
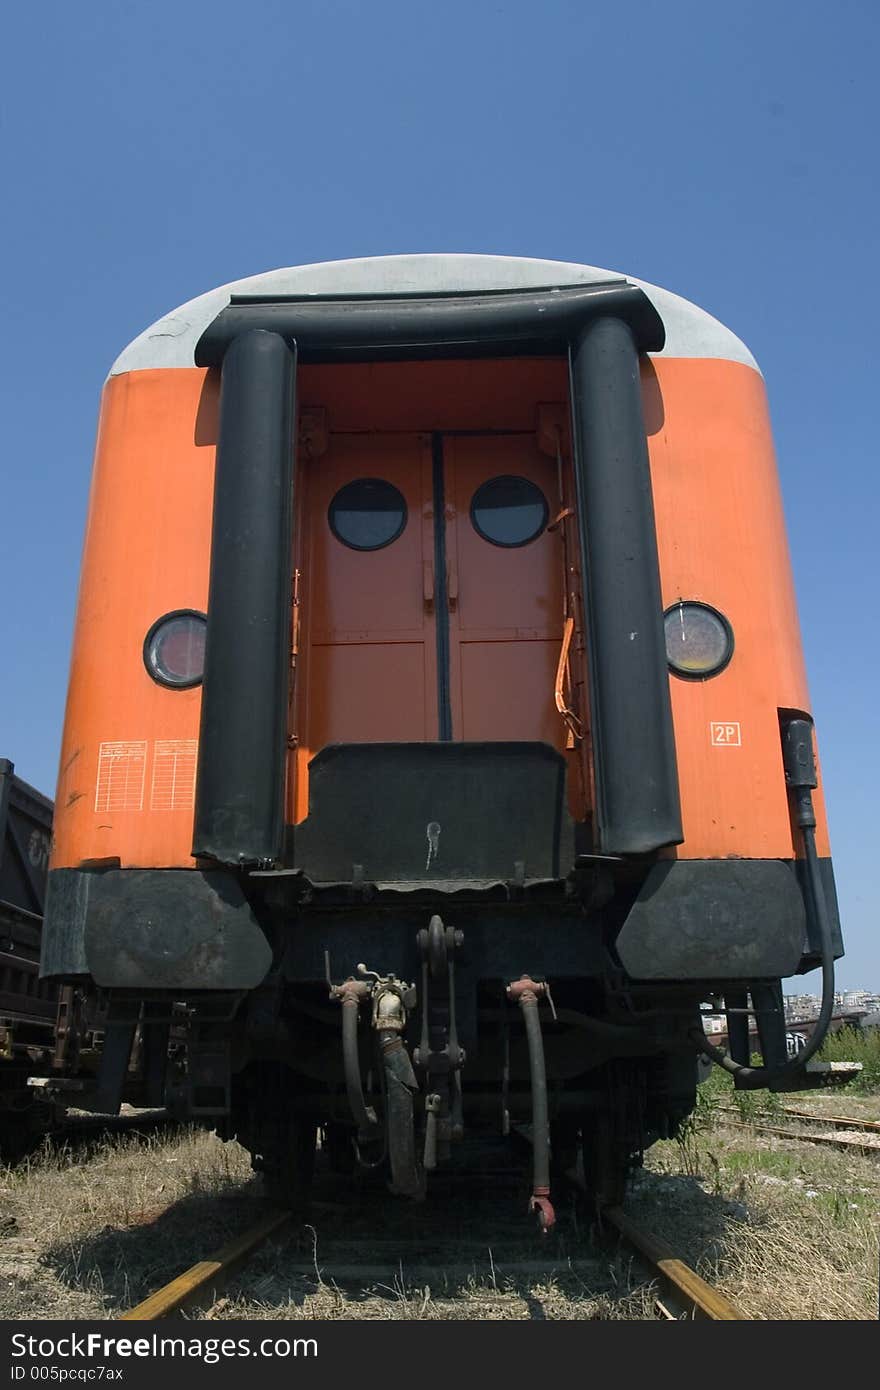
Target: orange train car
{"points": [[438, 739]]}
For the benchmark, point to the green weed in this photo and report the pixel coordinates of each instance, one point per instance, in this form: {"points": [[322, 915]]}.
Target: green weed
{"points": [[852, 1045]]}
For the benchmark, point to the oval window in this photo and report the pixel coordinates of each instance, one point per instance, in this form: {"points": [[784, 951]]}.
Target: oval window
{"points": [[367, 514], [509, 511]]}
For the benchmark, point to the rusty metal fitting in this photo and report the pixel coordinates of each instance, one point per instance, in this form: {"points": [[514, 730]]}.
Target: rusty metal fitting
{"points": [[525, 990], [351, 992], [541, 1207]]}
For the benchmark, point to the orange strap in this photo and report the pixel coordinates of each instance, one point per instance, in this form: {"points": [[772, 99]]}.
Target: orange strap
{"points": [[574, 724]]}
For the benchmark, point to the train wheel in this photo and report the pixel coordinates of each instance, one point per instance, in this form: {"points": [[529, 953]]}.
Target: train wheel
{"points": [[287, 1162], [564, 1141], [605, 1163], [337, 1147]]}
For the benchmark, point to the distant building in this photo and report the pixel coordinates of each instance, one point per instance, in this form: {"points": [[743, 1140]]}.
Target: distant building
{"points": [[853, 1008], [799, 1008]]}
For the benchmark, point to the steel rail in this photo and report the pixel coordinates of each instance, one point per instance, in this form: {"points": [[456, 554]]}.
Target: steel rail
{"points": [[204, 1280], [839, 1121], [688, 1290], [804, 1137], [834, 1121], [687, 1287]]}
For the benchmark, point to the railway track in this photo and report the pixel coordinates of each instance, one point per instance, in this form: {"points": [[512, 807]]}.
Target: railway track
{"points": [[685, 1289], [204, 1281], [851, 1141], [683, 1294], [804, 1137], [837, 1121], [419, 1247], [834, 1121]]}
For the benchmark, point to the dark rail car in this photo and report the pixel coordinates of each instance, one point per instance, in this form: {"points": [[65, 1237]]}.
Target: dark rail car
{"points": [[28, 1004]]}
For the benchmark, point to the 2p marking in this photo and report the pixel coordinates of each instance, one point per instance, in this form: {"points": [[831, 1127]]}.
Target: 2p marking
{"points": [[725, 734]]}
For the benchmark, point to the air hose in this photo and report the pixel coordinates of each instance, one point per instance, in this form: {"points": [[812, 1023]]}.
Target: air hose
{"points": [[363, 1115], [800, 775], [527, 992]]}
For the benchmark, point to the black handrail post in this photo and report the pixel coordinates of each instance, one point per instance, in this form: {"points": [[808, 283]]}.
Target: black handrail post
{"points": [[638, 805], [239, 815]]}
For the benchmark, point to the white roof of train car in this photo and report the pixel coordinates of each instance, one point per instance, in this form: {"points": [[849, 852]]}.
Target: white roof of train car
{"points": [[171, 341]]}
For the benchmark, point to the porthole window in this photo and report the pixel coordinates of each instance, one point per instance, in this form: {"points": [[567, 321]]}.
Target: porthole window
{"points": [[367, 514], [699, 640], [174, 649], [509, 511]]}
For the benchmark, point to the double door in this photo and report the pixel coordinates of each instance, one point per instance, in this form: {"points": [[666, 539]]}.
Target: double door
{"points": [[431, 591]]}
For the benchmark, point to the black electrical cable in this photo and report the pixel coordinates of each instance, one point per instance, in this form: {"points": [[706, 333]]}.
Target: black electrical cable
{"points": [[753, 1078]]}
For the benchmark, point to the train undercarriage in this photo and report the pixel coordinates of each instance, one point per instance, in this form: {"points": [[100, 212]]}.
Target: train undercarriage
{"points": [[389, 1062], [396, 1012]]}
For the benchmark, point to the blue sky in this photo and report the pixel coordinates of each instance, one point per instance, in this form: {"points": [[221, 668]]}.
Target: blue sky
{"points": [[150, 152]]}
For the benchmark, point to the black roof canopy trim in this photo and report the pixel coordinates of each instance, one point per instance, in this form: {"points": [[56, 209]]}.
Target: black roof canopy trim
{"points": [[399, 327]]}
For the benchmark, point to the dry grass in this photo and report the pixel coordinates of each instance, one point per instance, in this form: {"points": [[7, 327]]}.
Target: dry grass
{"points": [[465, 1279], [89, 1229], [800, 1234], [786, 1230], [514, 1300]]}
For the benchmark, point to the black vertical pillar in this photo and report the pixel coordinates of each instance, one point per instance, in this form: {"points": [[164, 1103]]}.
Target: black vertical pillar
{"points": [[242, 747], [736, 1003], [638, 807], [769, 1007]]}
